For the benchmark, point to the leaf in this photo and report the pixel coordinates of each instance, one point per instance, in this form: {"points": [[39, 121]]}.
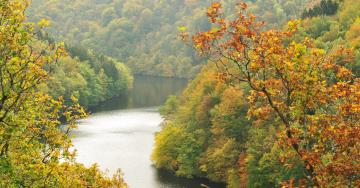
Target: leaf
{"points": [[43, 23], [182, 28]]}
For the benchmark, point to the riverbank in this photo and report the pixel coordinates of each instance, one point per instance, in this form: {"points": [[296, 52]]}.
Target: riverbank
{"points": [[120, 134]]}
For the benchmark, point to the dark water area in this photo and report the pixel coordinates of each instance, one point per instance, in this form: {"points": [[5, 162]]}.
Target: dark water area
{"points": [[148, 91], [120, 134]]}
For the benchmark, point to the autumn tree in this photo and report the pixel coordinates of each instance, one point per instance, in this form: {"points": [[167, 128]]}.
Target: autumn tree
{"points": [[205, 131], [312, 94], [34, 147]]}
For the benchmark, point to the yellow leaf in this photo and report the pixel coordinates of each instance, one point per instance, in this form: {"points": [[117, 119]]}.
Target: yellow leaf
{"points": [[43, 23], [182, 28]]}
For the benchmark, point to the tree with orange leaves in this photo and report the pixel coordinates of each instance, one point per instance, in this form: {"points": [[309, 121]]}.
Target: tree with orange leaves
{"points": [[314, 96]]}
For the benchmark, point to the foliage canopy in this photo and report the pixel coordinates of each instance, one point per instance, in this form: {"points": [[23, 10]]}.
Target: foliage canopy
{"points": [[34, 147]]}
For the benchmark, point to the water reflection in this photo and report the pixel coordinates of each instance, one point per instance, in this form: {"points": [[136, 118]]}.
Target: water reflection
{"points": [[121, 135], [167, 179], [148, 91]]}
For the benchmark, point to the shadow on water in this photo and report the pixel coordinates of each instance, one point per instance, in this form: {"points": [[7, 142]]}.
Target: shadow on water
{"points": [[168, 179], [147, 91]]}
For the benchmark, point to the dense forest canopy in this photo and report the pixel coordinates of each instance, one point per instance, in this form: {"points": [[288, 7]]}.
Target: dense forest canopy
{"points": [[90, 77], [34, 150], [144, 33], [279, 109], [326, 7]]}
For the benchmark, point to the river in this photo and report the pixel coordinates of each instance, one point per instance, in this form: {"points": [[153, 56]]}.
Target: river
{"points": [[120, 134]]}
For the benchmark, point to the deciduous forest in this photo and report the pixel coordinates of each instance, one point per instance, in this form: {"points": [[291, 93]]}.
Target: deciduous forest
{"points": [[143, 33], [272, 96], [273, 108]]}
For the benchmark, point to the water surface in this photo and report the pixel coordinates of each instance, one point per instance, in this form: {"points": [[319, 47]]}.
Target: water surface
{"points": [[120, 134]]}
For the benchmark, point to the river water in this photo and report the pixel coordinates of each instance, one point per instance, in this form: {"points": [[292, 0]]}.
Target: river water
{"points": [[120, 134]]}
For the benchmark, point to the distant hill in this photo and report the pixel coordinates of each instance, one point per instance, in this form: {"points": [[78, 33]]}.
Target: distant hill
{"points": [[143, 33]]}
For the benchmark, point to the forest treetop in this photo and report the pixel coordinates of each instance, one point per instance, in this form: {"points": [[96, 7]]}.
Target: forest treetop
{"points": [[144, 33], [295, 84]]}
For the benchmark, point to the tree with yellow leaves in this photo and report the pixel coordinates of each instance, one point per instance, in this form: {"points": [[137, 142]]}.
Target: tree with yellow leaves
{"points": [[34, 148]]}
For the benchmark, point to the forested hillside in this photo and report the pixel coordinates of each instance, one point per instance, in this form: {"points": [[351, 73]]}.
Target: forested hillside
{"points": [[35, 149], [335, 31], [144, 33], [280, 109], [89, 77], [207, 133]]}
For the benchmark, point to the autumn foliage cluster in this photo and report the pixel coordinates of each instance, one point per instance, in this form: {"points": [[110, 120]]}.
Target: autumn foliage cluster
{"points": [[308, 94], [316, 98], [35, 150]]}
